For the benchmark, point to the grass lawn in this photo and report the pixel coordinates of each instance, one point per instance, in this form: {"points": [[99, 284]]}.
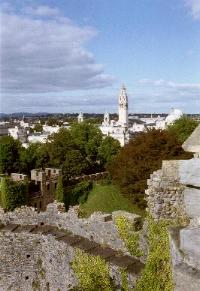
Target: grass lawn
{"points": [[107, 198]]}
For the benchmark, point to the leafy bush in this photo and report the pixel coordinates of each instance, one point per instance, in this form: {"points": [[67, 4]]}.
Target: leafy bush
{"points": [[129, 236], [157, 274], [59, 190], [79, 192], [92, 272], [13, 194], [183, 127], [138, 159]]}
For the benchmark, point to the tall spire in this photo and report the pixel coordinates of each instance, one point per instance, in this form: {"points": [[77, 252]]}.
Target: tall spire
{"points": [[123, 106]]}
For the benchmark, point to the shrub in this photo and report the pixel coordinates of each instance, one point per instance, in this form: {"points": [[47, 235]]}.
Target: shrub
{"points": [[157, 274], [138, 159], [13, 194], [92, 272]]}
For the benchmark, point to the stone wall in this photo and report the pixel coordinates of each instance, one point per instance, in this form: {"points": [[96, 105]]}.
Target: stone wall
{"points": [[40, 257], [165, 193], [98, 227], [39, 260]]}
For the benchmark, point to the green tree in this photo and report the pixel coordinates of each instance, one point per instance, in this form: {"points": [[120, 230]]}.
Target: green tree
{"points": [[52, 121], [9, 154], [108, 149], [183, 127], [59, 190], [13, 194], [4, 190], [74, 164], [29, 157], [38, 127], [65, 154], [143, 155], [87, 138]]}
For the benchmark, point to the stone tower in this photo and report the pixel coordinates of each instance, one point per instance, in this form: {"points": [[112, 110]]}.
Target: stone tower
{"points": [[80, 117], [106, 120], [123, 107]]}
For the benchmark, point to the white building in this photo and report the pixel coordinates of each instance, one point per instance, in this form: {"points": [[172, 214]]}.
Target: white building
{"points": [[123, 129], [80, 117], [118, 129]]}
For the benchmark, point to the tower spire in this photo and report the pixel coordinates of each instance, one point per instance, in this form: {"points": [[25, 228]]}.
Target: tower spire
{"points": [[123, 106]]}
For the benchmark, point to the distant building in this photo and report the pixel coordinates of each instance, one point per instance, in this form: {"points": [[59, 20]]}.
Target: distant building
{"points": [[80, 117], [118, 129], [42, 186], [125, 128]]}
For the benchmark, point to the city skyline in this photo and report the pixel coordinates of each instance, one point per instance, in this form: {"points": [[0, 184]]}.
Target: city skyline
{"points": [[72, 56]]}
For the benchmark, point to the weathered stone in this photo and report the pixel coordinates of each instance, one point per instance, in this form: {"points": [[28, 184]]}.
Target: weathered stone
{"points": [[192, 202], [189, 172], [186, 278], [192, 144], [190, 245]]}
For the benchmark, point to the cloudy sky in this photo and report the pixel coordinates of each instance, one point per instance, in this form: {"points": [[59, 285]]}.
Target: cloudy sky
{"points": [[73, 55]]}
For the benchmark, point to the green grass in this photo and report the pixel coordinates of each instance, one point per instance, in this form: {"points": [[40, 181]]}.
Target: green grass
{"points": [[107, 198]]}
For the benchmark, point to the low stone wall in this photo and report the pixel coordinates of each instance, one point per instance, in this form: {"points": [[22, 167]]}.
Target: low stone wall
{"points": [[98, 227], [39, 258], [165, 193]]}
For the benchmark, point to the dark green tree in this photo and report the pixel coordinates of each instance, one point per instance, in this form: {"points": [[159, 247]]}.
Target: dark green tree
{"points": [[183, 127], [143, 155], [13, 194], [9, 154], [107, 151], [29, 157], [38, 127], [60, 190], [87, 138]]}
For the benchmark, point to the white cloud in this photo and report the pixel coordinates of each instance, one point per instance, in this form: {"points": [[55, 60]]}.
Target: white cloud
{"points": [[42, 11], [166, 94], [171, 84], [194, 6], [41, 55]]}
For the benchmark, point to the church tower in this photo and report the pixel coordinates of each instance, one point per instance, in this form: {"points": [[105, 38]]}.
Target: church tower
{"points": [[123, 107]]}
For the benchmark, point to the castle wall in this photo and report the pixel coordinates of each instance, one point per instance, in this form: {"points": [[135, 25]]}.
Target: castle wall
{"points": [[37, 249], [98, 227], [174, 193]]}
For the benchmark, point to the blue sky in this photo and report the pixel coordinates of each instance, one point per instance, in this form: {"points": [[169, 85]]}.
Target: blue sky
{"points": [[73, 55]]}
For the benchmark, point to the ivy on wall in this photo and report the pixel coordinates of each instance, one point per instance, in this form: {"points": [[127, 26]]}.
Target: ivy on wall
{"points": [[92, 272], [157, 274], [129, 236]]}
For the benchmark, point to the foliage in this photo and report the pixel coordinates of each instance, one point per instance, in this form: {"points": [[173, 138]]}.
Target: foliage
{"points": [[13, 194], [80, 192], [87, 138], [138, 159], [108, 149], [157, 274], [53, 121], [29, 157], [38, 127], [129, 236], [107, 198], [124, 278], [9, 154], [73, 164], [92, 272], [59, 190], [183, 127]]}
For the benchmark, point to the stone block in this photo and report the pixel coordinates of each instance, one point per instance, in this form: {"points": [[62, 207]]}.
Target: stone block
{"points": [[192, 202], [190, 245], [192, 144], [170, 169], [189, 172]]}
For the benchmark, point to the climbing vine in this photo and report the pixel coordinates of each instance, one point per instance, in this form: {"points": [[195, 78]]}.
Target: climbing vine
{"points": [[157, 274], [129, 236], [92, 272]]}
